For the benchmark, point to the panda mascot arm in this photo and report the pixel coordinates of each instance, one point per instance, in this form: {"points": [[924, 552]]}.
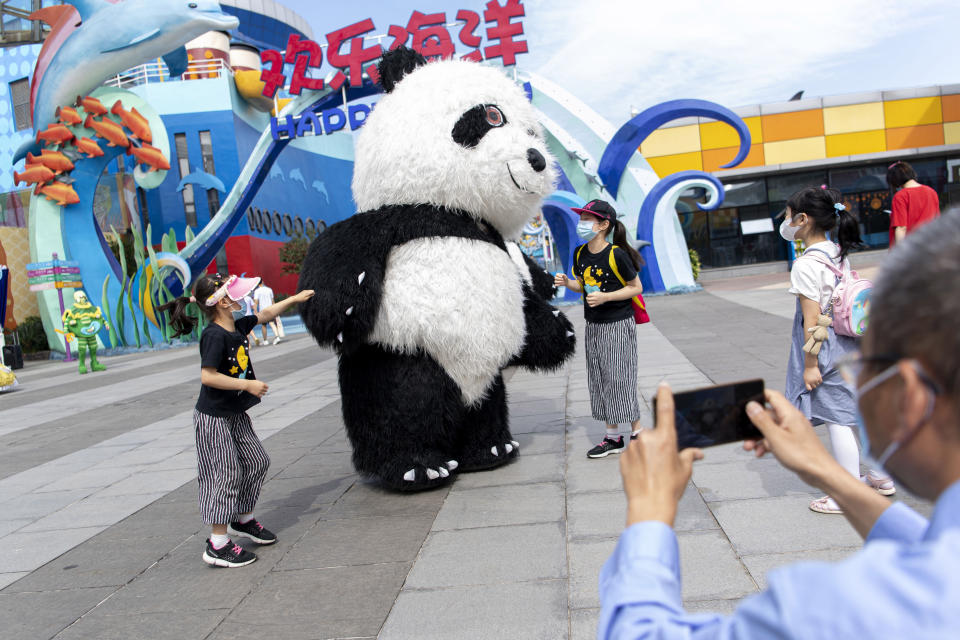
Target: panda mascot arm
{"points": [[345, 267], [549, 339]]}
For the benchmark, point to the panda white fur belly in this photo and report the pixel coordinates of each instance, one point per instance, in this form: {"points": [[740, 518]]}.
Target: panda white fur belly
{"points": [[458, 299]]}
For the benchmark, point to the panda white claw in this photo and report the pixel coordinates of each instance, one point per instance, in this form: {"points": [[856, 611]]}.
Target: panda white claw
{"points": [[410, 476], [340, 337], [363, 274], [556, 313], [433, 475], [443, 472], [516, 445], [350, 311], [570, 334], [494, 451], [508, 447], [452, 464]]}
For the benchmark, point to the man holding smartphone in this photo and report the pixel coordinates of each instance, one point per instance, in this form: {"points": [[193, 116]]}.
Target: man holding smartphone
{"points": [[905, 582]]}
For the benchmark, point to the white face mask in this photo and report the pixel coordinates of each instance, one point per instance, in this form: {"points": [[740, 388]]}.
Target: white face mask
{"points": [[787, 232]]}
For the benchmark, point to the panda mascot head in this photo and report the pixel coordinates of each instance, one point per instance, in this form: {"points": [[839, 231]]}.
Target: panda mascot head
{"points": [[456, 134]]}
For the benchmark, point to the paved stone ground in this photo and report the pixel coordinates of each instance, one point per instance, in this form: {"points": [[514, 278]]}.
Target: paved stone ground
{"points": [[100, 535]]}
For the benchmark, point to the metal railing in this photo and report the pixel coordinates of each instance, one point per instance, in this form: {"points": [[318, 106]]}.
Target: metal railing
{"points": [[153, 72]]}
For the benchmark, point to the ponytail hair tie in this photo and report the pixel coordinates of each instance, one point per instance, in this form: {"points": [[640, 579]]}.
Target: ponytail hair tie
{"points": [[840, 207]]}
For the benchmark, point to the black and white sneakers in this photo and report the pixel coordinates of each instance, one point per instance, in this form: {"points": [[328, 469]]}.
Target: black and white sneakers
{"points": [[252, 529], [229, 555], [607, 446]]}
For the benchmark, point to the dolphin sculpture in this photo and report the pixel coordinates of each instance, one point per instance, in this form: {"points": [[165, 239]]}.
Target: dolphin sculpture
{"points": [[92, 40], [203, 180]]}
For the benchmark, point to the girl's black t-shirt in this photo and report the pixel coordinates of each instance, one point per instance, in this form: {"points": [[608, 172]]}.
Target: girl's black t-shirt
{"points": [[229, 353], [594, 273]]}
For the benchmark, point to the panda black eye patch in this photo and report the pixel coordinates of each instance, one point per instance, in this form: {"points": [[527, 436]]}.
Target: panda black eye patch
{"points": [[475, 123]]}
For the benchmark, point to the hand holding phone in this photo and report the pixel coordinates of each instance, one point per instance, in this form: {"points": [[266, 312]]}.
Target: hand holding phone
{"points": [[715, 415]]}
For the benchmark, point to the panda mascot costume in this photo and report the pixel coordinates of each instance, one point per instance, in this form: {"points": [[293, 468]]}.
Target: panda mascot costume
{"points": [[422, 294]]}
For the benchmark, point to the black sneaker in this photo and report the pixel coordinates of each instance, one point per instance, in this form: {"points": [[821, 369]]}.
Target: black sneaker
{"points": [[229, 555], [252, 529], [607, 446]]}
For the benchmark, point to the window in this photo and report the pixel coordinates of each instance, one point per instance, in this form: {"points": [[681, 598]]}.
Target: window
{"points": [[183, 164], [287, 224], [267, 221], [144, 211], [277, 223], [738, 194], [251, 219], [20, 96], [311, 228], [298, 226], [779, 188], [206, 151]]}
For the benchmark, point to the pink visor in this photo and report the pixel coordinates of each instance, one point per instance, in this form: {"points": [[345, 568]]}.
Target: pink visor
{"points": [[236, 288]]}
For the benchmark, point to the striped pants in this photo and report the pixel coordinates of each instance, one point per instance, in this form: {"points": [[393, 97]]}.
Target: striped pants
{"points": [[611, 349], [232, 465]]}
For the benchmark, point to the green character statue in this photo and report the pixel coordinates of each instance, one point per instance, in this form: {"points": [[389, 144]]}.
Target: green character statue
{"points": [[84, 320]]}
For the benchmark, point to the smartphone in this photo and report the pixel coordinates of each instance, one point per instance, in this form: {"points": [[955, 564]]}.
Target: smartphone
{"points": [[715, 415]]}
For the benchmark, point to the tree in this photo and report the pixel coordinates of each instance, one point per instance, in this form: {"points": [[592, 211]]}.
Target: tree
{"points": [[294, 250]]}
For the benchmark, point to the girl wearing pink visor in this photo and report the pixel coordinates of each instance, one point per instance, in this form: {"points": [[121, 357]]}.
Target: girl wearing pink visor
{"points": [[231, 459]]}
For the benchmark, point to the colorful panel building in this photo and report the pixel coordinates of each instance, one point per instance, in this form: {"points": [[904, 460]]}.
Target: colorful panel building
{"points": [[845, 141]]}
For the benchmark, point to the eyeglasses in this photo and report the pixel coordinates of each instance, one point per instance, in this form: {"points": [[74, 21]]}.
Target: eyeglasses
{"points": [[852, 366]]}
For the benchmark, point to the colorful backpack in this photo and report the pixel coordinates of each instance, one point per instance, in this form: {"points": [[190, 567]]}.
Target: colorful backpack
{"points": [[850, 304], [640, 315]]}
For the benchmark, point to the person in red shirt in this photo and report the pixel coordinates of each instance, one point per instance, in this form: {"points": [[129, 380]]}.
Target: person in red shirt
{"points": [[914, 204]]}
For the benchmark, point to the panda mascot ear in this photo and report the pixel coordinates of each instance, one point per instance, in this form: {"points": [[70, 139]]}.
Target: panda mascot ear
{"points": [[397, 63]]}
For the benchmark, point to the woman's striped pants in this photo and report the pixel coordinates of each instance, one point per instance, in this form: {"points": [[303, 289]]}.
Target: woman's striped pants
{"points": [[232, 465], [611, 349]]}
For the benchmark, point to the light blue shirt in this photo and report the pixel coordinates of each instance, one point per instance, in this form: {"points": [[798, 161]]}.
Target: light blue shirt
{"points": [[903, 584]]}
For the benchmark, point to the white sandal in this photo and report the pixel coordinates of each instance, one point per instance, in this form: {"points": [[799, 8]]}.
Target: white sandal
{"points": [[822, 505]]}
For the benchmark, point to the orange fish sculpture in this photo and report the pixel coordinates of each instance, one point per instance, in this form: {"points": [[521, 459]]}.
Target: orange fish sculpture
{"points": [[62, 194], [150, 156], [89, 147], [55, 134], [33, 174], [109, 131], [53, 160], [91, 105], [68, 115], [134, 121]]}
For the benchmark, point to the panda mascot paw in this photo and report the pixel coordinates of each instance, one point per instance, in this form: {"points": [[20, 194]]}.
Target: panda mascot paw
{"points": [[423, 294]]}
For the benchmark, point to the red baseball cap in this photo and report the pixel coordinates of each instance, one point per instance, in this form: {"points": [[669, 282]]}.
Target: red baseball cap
{"points": [[599, 208]]}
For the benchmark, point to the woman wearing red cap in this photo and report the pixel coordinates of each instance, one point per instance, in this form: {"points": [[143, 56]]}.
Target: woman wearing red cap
{"points": [[607, 273], [231, 459]]}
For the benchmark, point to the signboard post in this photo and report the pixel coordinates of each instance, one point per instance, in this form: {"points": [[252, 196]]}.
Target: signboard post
{"points": [[59, 275]]}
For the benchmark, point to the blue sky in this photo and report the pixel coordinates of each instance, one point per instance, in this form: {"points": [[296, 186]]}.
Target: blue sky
{"points": [[618, 54]]}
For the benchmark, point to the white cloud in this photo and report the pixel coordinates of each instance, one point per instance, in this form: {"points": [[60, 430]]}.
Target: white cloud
{"points": [[618, 53]]}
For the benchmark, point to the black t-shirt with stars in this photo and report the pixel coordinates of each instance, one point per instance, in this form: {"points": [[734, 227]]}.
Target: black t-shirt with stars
{"points": [[229, 353], [594, 273]]}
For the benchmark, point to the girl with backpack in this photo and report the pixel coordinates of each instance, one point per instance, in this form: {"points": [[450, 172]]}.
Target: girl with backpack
{"points": [[814, 383], [607, 274]]}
